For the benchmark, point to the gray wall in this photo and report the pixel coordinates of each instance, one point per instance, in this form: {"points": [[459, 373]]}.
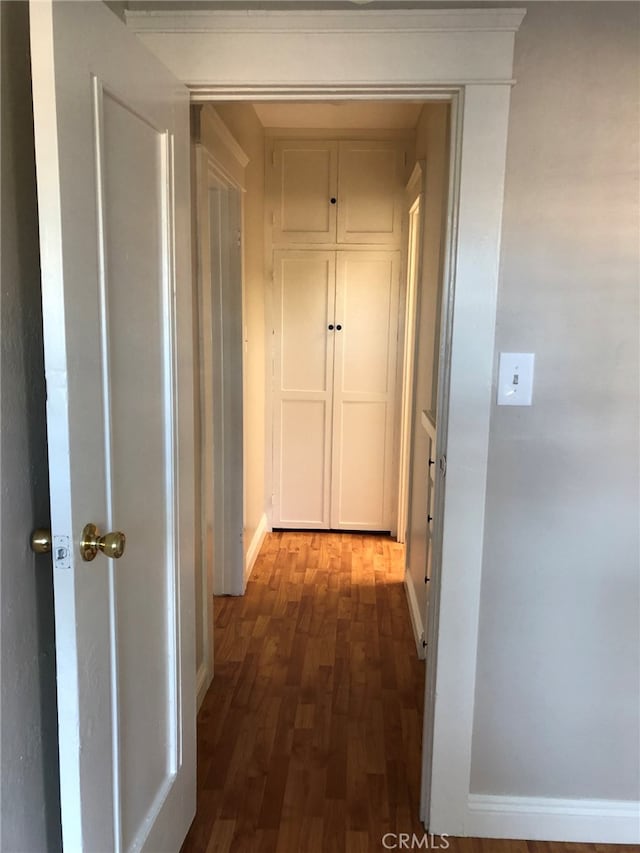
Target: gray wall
{"points": [[557, 695], [29, 796]]}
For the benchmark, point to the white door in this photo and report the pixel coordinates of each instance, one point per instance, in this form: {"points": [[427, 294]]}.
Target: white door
{"points": [[335, 331], [370, 192], [112, 154], [304, 307], [225, 217], [364, 389], [304, 179]]}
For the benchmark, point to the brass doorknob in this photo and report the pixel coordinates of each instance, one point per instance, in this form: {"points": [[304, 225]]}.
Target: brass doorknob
{"points": [[41, 541], [111, 544]]}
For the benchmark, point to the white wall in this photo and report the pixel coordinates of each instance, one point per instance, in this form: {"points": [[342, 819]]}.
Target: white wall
{"points": [[432, 146], [29, 794], [557, 694], [242, 121]]}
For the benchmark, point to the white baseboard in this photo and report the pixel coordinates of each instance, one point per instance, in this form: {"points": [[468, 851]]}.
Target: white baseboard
{"points": [[416, 616], [203, 682], [254, 546], [550, 819]]}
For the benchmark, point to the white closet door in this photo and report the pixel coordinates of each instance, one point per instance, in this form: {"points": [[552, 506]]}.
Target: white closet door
{"points": [[364, 389], [304, 177], [370, 199], [304, 304]]}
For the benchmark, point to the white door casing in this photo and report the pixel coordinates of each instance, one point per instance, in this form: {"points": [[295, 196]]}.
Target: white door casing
{"points": [[112, 156], [461, 55], [219, 177], [413, 273]]}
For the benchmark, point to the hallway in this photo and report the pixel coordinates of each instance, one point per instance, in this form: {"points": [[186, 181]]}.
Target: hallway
{"points": [[309, 739]]}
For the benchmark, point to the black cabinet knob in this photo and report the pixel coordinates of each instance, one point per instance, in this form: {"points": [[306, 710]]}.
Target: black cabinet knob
{"points": [[338, 327], [429, 518], [432, 462], [330, 327], [333, 200]]}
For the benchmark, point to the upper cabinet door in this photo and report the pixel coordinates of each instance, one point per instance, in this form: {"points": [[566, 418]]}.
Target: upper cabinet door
{"points": [[304, 191], [371, 191]]}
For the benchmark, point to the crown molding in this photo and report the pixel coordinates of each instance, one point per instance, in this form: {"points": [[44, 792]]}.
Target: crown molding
{"points": [[326, 21]]}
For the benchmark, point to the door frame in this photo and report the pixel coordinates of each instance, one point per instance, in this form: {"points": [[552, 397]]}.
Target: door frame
{"points": [[464, 56], [218, 165], [412, 270]]}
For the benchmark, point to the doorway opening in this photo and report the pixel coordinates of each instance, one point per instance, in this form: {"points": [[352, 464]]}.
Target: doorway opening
{"points": [[397, 155]]}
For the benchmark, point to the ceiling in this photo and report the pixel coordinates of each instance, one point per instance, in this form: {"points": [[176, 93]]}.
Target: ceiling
{"points": [[345, 115]]}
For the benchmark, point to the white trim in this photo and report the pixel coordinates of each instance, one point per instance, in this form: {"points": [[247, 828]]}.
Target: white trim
{"points": [[283, 54], [214, 132], [204, 677], [480, 190], [412, 283], [255, 545], [203, 92], [547, 819], [227, 160], [416, 616], [313, 21]]}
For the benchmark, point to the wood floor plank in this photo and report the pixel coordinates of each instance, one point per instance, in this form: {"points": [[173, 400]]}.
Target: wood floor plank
{"points": [[309, 738]]}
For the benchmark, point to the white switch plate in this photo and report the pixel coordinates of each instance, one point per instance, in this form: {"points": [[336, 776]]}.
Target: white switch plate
{"points": [[515, 378]]}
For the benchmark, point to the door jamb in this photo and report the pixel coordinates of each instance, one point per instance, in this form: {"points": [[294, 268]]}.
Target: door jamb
{"points": [[412, 266], [450, 734], [222, 570]]}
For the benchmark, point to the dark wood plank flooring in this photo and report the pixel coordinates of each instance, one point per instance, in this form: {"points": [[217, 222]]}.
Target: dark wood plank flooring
{"points": [[309, 738]]}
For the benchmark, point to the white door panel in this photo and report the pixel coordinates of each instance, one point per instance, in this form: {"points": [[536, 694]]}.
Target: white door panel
{"points": [[360, 447], [304, 305], [112, 152], [305, 177], [367, 310], [364, 389], [303, 439], [370, 198], [136, 397]]}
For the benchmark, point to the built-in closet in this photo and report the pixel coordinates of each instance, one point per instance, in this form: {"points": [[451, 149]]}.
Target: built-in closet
{"points": [[334, 234]]}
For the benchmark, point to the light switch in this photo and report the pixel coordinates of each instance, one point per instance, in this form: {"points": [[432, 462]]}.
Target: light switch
{"points": [[515, 378]]}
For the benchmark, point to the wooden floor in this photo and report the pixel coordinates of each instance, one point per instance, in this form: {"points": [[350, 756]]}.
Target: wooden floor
{"points": [[309, 738]]}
